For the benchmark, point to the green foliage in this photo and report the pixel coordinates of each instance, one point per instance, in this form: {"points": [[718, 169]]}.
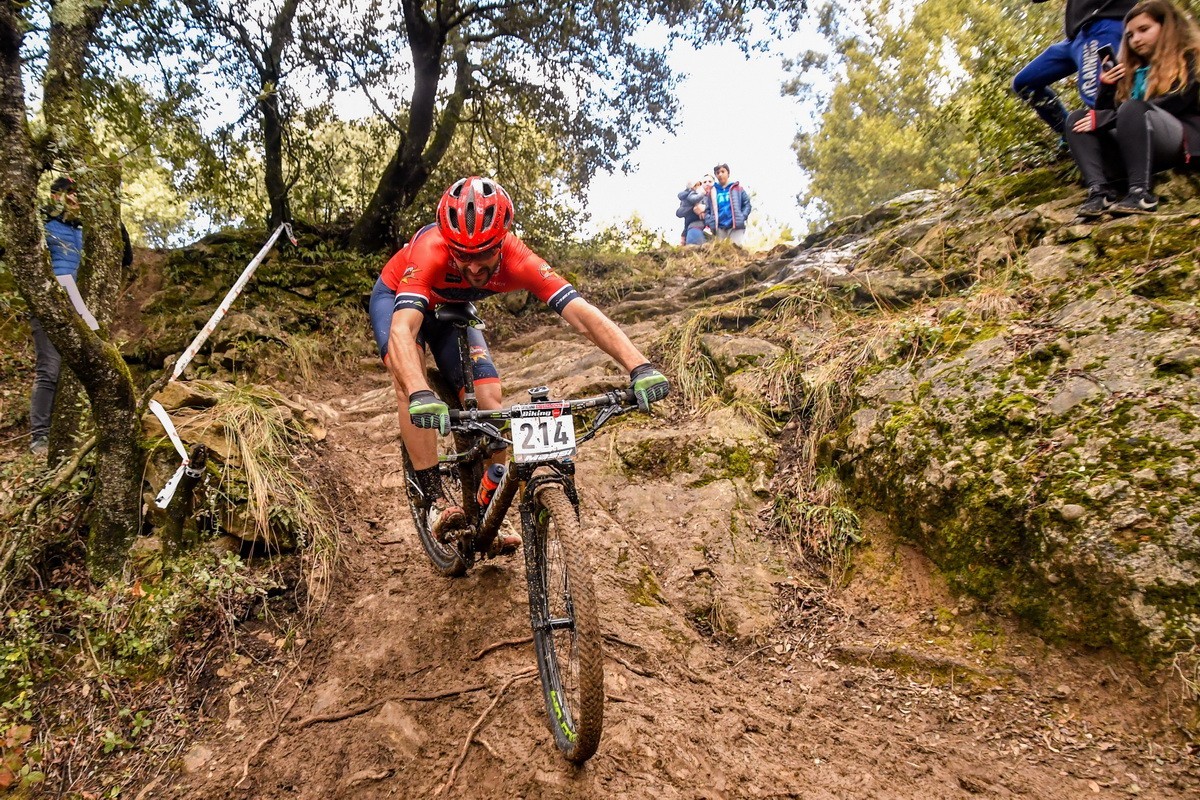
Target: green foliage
{"points": [[336, 166], [921, 97]]}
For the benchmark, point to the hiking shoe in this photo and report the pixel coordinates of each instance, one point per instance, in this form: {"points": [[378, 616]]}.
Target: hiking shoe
{"points": [[1098, 201], [40, 446], [444, 518], [1138, 201], [506, 541]]}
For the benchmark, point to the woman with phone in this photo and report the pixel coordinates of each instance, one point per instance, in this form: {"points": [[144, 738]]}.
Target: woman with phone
{"points": [[1147, 115]]}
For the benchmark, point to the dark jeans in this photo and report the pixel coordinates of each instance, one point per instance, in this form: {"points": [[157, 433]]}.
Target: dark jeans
{"points": [[1145, 140], [45, 380]]}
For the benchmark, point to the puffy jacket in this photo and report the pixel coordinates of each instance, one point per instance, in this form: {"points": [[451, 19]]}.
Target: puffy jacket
{"points": [[739, 204], [65, 240], [687, 201]]}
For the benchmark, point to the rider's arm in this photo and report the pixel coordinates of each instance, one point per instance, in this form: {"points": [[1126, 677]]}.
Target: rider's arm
{"points": [[603, 332], [406, 359]]}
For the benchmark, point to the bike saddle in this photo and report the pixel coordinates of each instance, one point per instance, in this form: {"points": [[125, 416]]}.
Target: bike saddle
{"points": [[463, 314]]}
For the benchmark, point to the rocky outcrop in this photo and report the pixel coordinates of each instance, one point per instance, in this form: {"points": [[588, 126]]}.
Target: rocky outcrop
{"points": [[1018, 391]]}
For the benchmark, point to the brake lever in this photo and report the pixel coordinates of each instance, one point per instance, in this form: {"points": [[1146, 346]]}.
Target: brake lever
{"points": [[486, 428]]}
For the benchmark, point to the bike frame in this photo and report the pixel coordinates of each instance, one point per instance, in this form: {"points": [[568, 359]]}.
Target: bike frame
{"points": [[476, 423]]}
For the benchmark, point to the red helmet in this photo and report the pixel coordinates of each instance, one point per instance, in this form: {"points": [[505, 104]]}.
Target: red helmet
{"points": [[474, 215]]}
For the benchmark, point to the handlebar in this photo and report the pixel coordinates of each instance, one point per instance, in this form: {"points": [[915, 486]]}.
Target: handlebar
{"points": [[616, 397], [611, 404]]}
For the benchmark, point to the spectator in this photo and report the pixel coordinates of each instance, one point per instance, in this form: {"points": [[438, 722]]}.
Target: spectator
{"points": [[692, 209], [1089, 25], [1147, 116], [64, 240], [728, 207]]}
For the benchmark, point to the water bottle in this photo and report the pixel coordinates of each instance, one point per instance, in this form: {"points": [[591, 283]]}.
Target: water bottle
{"points": [[491, 479]]}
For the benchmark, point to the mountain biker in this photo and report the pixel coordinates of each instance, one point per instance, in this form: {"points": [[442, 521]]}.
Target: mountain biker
{"points": [[470, 253]]}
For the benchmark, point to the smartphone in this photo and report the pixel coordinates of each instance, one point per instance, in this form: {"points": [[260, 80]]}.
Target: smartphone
{"points": [[1108, 59]]}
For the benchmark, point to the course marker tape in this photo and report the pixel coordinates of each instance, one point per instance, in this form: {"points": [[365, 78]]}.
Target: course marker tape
{"points": [[168, 491]]}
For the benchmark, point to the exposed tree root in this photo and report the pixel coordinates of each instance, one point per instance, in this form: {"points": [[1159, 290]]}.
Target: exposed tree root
{"points": [[274, 735], [445, 787], [64, 474], [612, 637], [367, 708], [645, 673], [500, 644]]}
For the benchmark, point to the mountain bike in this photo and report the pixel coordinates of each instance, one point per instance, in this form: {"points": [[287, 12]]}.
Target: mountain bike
{"points": [[541, 440]]}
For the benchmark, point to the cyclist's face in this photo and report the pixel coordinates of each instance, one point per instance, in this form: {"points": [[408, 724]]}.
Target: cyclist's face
{"points": [[478, 270]]}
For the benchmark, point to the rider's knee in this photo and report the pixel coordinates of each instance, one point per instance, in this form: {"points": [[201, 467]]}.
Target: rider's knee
{"points": [[489, 395]]}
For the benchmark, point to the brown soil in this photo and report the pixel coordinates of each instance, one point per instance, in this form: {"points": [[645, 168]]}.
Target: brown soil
{"points": [[886, 688]]}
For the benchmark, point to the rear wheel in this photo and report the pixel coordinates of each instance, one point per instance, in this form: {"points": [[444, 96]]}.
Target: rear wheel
{"points": [[566, 628]]}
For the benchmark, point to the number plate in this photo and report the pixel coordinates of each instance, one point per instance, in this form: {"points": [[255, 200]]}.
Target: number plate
{"points": [[543, 432]]}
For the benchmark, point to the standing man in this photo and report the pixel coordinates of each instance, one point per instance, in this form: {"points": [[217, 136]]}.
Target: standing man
{"points": [[64, 240], [1088, 25], [728, 207]]}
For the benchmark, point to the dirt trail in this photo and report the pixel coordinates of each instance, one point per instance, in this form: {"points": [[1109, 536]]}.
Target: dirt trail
{"points": [[887, 689]]}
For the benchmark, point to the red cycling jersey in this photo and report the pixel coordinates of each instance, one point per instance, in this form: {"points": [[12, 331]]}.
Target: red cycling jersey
{"points": [[423, 274]]}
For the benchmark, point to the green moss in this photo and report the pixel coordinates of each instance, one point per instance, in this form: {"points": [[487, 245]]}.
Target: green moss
{"points": [[645, 591], [656, 458], [1004, 412]]}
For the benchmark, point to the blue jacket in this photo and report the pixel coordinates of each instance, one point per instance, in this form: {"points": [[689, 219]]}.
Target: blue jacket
{"points": [[687, 200], [65, 240], [739, 204]]}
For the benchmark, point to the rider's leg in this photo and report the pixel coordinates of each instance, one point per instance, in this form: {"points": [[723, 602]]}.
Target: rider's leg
{"points": [[421, 445], [484, 377]]}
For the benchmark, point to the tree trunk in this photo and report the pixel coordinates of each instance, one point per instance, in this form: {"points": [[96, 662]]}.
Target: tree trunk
{"points": [[416, 157], [272, 126], [271, 71], [98, 365]]}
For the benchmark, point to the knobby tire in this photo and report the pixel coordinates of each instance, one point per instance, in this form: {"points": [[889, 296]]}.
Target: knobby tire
{"points": [[570, 659], [445, 559]]}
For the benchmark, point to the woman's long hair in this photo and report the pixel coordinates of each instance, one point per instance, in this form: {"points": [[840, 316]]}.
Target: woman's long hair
{"points": [[1177, 50]]}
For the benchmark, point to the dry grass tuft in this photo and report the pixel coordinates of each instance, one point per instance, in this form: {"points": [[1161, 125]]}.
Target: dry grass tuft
{"points": [[266, 472]]}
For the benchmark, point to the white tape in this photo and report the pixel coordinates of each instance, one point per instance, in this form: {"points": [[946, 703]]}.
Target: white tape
{"points": [[230, 296], [68, 283], [168, 491], [163, 417]]}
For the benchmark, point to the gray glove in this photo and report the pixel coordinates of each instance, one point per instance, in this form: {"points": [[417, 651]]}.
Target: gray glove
{"points": [[649, 386], [427, 410]]}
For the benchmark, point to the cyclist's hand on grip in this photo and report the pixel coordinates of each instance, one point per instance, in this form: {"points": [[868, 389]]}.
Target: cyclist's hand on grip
{"points": [[648, 385], [428, 411]]}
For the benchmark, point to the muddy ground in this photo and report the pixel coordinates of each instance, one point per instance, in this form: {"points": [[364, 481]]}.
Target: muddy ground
{"points": [[731, 672]]}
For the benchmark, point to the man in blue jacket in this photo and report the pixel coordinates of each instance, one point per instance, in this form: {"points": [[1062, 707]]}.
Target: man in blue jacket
{"points": [[1089, 25], [728, 207], [64, 240]]}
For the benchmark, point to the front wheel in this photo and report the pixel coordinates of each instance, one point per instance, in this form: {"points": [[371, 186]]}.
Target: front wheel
{"points": [[566, 628]]}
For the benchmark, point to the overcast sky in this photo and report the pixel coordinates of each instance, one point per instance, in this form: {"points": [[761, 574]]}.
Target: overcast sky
{"points": [[732, 112]]}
